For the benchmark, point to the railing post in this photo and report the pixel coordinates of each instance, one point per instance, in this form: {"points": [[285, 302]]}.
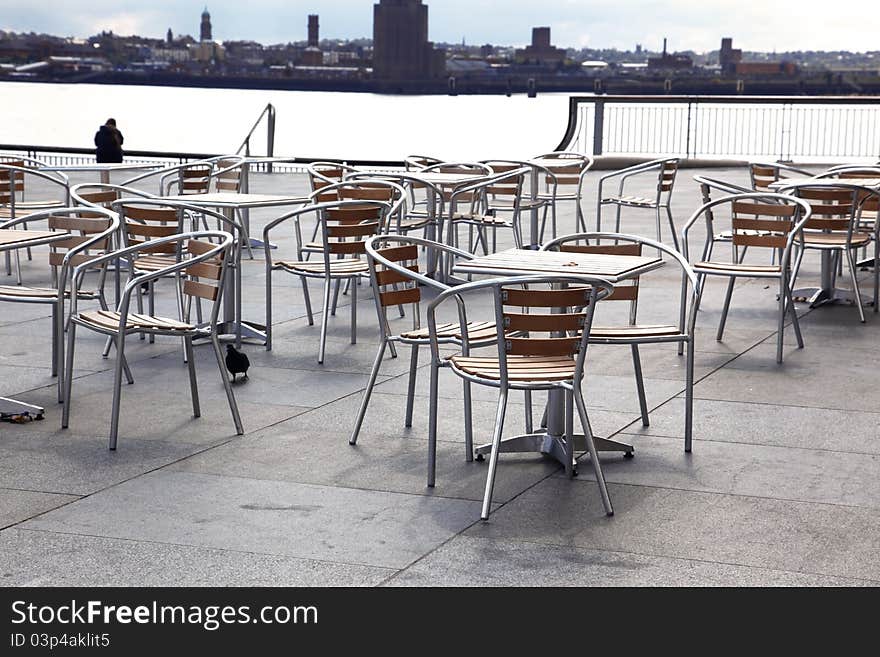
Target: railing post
{"points": [[598, 125], [687, 144], [270, 136]]}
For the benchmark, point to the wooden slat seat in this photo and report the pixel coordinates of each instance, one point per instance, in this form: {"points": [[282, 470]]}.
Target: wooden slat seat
{"points": [[519, 368], [477, 331], [634, 331], [835, 240], [481, 219], [344, 267], [744, 269], [24, 291], [109, 320], [634, 201], [153, 263]]}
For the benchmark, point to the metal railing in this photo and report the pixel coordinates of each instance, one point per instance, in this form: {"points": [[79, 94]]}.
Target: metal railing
{"points": [[269, 113], [785, 128]]}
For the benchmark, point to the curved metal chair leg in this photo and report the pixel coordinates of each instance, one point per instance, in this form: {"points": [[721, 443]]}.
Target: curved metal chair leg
{"points": [[594, 454], [493, 457], [371, 382], [640, 385], [411, 388]]}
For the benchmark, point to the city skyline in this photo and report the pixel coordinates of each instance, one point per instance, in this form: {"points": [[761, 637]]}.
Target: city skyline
{"points": [[688, 24]]}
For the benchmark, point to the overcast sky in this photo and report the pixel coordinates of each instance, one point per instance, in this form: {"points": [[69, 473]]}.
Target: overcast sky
{"points": [[768, 25]]}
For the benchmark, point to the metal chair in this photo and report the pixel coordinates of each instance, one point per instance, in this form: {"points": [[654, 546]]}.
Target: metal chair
{"points": [[525, 362], [506, 199], [479, 215], [834, 230], [780, 220], [763, 174], [665, 170], [91, 233], [200, 263], [396, 277], [344, 226], [632, 333], [15, 176], [565, 183]]}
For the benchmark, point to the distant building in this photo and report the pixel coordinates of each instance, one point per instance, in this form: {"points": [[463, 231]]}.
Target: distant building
{"points": [[313, 31], [401, 50], [540, 51], [667, 61], [205, 27], [732, 64], [728, 58], [169, 37]]}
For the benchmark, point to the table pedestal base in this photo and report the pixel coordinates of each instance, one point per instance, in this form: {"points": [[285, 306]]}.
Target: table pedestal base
{"points": [[228, 332], [14, 407], [553, 446], [817, 296]]}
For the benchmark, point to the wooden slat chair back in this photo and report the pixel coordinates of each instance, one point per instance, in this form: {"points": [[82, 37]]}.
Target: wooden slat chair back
{"points": [[195, 179], [394, 288], [762, 225], [142, 224], [570, 318], [202, 279], [82, 228], [667, 176], [227, 178], [625, 291], [763, 176], [833, 209]]}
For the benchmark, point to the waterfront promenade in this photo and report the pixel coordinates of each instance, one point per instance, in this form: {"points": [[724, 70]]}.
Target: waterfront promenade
{"points": [[782, 486]]}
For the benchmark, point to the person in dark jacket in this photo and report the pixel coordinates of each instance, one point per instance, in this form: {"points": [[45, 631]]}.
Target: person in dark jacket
{"points": [[108, 140]]}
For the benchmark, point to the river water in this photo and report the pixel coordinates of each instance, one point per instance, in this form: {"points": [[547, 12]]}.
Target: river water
{"points": [[309, 123]]}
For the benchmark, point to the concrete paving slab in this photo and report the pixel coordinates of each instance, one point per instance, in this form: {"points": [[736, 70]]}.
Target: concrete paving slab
{"points": [[388, 530]]}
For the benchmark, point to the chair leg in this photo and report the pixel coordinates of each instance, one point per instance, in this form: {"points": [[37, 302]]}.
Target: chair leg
{"points": [[529, 420], [308, 300], [371, 382], [151, 301], [411, 388], [594, 454], [569, 435], [783, 300], [433, 400], [493, 458], [68, 380], [193, 383], [354, 307], [227, 386], [117, 390], [795, 322], [327, 285], [336, 289], [640, 385], [855, 281], [720, 335], [689, 397], [468, 422], [672, 228]]}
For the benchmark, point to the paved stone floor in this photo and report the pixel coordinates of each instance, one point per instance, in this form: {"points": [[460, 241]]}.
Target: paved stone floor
{"points": [[782, 486]]}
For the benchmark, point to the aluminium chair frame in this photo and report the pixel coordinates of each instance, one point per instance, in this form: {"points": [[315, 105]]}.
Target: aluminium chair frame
{"points": [[219, 255], [686, 320], [392, 273], [61, 274], [382, 208], [595, 290], [786, 274], [661, 200]]}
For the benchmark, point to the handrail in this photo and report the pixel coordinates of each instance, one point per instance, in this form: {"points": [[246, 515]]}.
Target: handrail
{"points": [[270, 133], [693, 102]]}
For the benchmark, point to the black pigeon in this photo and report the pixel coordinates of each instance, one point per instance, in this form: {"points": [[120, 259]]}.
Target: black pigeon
{"points": [[236, 362]]}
